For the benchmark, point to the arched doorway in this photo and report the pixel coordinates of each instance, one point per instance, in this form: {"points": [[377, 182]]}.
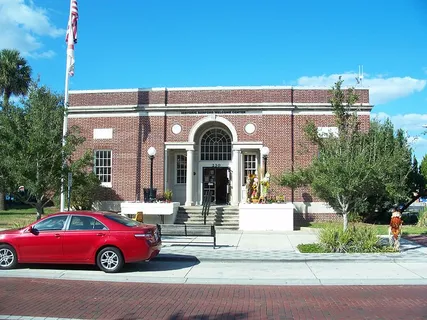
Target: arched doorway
{"points": [[215, 161]]}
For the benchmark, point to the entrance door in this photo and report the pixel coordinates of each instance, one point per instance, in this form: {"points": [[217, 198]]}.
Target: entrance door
{"points": [[216, 181]]}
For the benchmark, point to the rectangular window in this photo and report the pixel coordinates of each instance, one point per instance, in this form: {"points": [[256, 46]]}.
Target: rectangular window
{"points": [[249, 165], [103, 166], [181, 169]]}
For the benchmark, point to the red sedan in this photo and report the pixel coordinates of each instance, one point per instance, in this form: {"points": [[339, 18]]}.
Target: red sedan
{"points": [[106, 239]]}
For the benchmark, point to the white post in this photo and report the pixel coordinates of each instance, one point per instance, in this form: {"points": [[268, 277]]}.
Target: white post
{"points": [[65, 124], [235, 178], [189, 186]]}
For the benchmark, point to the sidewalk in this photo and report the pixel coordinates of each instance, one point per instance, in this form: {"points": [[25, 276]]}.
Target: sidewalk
{"points": [[249, 258], [272, 246]]}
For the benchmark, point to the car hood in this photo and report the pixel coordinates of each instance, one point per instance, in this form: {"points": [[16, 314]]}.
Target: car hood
{"points": [[10, 231]]}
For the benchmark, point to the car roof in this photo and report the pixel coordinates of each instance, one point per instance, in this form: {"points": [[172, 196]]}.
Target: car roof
{"points": [[84, 212]]}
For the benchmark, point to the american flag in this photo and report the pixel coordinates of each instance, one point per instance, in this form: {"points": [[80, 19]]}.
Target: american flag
{"points": [[71, 37]]}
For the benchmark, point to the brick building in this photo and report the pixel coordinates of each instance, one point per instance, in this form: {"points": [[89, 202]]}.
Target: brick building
{"points": [[205, 138]]}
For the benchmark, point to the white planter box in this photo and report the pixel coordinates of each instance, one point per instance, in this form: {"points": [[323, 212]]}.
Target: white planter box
{"points": [[152, 211], [266, 217]]}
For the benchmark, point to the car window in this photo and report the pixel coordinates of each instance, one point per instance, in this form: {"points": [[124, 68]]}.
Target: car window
{"points": [[53, 223], [122, 220], [85, 223]]}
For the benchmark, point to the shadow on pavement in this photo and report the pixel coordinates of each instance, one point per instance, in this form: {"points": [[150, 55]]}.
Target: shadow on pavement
{"points": [[175, 262], [160, 265]]}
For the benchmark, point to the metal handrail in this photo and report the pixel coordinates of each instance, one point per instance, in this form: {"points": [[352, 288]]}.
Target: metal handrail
{"points": [[206, 205]]}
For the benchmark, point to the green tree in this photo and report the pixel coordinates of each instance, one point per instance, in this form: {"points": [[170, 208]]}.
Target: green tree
{"points": [[35, 131], [85, 184], [15, 75], [423, 167], [15, 78], [356, 171]]}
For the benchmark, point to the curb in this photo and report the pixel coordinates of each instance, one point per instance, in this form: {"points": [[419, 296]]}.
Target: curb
{"points": [[355, 259]]}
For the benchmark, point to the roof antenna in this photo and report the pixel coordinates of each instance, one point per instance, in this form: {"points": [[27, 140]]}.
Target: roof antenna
{"points": [[359, 78]]}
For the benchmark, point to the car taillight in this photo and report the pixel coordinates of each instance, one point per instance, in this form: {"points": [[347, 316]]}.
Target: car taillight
{"points": [[149, 236]]}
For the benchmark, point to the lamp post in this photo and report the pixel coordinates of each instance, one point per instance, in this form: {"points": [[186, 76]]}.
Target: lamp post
{"points": [[151, 153], [265, 152]]}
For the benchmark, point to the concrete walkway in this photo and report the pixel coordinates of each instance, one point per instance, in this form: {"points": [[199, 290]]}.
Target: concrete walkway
{"points": [[250, 258], [272, 246]]}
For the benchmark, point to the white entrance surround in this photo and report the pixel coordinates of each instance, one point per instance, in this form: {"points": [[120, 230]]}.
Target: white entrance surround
{"points": [[194, 172], [189, 187], [212, 118], [235, 181]]}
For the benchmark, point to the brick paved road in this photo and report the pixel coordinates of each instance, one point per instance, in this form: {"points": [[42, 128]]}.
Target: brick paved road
{"points": [[107, 300]]}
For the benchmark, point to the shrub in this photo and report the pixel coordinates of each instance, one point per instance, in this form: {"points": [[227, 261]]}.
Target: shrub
{"points": [[354, 217], [409, 218], [361, 239], [422, 218]]}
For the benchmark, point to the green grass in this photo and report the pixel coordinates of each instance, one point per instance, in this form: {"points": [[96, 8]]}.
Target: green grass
{"points": [[15, 218], [381, 228]]}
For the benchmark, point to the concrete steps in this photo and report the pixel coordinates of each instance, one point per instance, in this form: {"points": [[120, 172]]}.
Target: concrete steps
{"points": [[225, 217]]}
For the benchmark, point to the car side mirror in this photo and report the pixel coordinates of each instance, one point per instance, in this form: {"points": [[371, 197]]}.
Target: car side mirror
{"points": [[31, 229]]}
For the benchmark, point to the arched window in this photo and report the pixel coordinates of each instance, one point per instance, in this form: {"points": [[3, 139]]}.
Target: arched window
{"points": [[216, 145]]}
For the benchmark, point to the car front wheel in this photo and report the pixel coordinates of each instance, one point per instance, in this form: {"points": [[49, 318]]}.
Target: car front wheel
{"points": [[8, 257], [110, 260]]}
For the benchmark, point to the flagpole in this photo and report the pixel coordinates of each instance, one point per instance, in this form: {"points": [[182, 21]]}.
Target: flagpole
{"points": [[65, 124]]}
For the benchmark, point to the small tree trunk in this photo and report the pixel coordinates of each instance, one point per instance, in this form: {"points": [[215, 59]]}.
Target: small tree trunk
{"points": [[2, 201], [40, 210], [345, 220]]}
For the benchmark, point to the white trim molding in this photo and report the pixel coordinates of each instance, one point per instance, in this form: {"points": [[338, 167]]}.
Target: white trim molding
{"points": [[213, 118]]}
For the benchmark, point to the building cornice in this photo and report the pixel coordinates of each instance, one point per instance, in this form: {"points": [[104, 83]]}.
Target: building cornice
{"points": [[215, 88]]}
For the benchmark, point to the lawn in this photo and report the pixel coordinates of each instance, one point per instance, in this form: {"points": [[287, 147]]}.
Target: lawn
{"points": [[15, 218], [382, 229]]}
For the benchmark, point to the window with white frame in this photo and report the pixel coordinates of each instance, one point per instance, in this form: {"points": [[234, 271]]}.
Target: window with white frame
{"points": [[215, 145], [249, 165], [103, 166], [181, 169]]}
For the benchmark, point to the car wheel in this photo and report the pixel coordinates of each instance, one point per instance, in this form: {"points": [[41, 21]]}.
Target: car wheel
{"points": [[110, 260], [8, 257]]}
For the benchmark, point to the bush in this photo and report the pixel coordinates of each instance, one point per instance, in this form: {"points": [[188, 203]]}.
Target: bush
{"points": [[362, 239], [409, 218], [422, 218]]}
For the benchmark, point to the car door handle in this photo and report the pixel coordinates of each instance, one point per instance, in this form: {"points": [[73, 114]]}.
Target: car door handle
{"points": [[100, 234], [57, 235]]}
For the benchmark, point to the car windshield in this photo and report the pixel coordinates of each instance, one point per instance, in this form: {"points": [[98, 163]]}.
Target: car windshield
{"points": [[122, 220]]}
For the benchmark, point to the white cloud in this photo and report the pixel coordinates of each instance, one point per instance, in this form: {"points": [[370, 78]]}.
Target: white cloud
{"points": [[23, 26], [408, 122], [381, 88], [43, 55]]}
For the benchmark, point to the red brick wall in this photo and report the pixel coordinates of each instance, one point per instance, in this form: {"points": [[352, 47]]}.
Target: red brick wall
{"points": [[117, 98], [162, 96], [132, 137]]}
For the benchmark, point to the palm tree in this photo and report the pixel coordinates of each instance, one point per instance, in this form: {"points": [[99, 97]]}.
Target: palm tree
{"points": [[15, 75], [15, 78]]}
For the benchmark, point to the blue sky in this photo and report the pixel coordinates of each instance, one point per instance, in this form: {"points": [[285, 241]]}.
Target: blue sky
{"points": [[148, 43]]}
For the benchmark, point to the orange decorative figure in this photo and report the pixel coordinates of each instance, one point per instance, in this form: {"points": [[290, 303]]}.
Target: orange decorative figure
{"points": [[395, 229], [139, 216]]}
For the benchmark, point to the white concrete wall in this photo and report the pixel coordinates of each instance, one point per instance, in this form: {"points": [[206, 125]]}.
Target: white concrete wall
{"points": [[313, 207], [266, 217]]}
